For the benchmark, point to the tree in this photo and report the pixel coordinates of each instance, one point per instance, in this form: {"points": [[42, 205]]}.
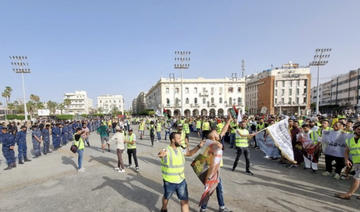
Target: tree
{"points": [[67, 102], [51, 106], [61, 107], [11, 107], [100, 110], [6, 94], [34, 98]]}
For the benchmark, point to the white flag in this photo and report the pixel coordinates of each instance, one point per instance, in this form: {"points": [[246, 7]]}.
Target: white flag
{"points": [[239, 117], [282, 139]]}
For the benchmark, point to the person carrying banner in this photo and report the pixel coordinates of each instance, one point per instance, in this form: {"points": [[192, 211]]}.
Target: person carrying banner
{"points": [[311, 147], [353, 150], [216, 137], [242, 144], [334, 151], [172, 168]]}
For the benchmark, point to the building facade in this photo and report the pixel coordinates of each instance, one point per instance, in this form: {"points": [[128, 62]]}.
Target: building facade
{"points": [[79, 103], [279, 90], [109, 103], [201, 96], [340, 93]]}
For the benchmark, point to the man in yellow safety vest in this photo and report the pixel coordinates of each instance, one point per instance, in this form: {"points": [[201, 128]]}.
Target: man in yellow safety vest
{"points": [[353, 149], [172, 168]]}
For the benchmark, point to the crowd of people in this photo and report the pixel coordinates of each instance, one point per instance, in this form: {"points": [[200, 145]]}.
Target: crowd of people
{"points": [[335, 137]]}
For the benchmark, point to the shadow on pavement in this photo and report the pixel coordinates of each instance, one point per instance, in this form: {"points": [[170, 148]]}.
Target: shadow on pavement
{"points": [[323, 196], [109, 162], [69, 161]]}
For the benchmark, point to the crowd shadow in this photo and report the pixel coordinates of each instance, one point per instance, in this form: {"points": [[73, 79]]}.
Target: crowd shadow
{"points": [[106, 161], [69, 161]]}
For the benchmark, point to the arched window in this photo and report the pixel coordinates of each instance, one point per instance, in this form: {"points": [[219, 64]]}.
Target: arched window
{"points": [[239, 101], [168, 101], [220, 100], [212, 100], [187, 101], [195, 101], [204, 100]]}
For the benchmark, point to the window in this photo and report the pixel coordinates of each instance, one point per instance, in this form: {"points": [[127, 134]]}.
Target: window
{"points": [[230, 89], [167, 90], [220, 100], [195, 90], [290, 100], [298, 82], [275, 92], [177, 90], [239, 89], [168, 101], [276, 83], [100, 101], [297, 100], [282, 101], [282, 92], [239, 101], [186, 90], [305, 91], [290, 92], [297, 91], [220, 90], [275, 100], [187, 101], [230, 101], [290, 82], [204, 100], [305, 82], [212, 90], [212, 100], [195, 101], [204, 90], [177, 101], [304, 100], [283, 83]]}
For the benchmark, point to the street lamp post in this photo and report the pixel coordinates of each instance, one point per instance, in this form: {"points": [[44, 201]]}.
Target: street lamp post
{"points": [[182, 59], [21, 66], [320, 59]]}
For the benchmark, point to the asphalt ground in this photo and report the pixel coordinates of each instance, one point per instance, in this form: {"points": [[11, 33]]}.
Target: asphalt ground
{"points": [[52, 183]]}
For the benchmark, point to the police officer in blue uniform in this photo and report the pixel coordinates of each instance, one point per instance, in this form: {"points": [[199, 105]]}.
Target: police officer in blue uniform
{"points": [[64, 134], [56, 136], [8, 144], [20, 140], [36, 140], [46, 138]]}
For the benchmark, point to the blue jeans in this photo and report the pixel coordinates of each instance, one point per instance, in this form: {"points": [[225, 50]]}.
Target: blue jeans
{"points": [[219, 195], [80, 157], [180, 189], [167, 133], [232, 139], [158, 135]]}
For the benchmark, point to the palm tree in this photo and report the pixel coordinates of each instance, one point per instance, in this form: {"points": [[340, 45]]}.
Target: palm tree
{"points": [[6, 94], [11, 107], [51, 106], [61, 107]]}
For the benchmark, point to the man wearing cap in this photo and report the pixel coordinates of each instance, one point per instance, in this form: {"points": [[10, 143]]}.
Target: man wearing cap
{"points": [[353, 149], [8, 145], [36, 140], [20, 139]]}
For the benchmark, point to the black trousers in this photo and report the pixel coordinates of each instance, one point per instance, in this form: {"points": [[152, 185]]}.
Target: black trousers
{"points": [[340, 163], [132, 152], [239, 151]]}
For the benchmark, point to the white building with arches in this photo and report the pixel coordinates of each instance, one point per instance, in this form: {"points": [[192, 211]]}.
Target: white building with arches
{"points": [[212, 97]]}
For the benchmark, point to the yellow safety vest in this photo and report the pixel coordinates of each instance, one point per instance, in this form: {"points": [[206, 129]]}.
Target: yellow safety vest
{"points": [[183, 137], [314, 136], [158, 127], [187, 128], [173, 165], [198, 124], [354, 149], [219, 127], [80, 144], [206, 126], [242, 141], [261, 126], [131, 138], [233, 126], [142, 126]]}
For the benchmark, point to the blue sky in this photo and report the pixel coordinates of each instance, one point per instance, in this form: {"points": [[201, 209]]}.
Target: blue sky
{"points": [[124, 47]]}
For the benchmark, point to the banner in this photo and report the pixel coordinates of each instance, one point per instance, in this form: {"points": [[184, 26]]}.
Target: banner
{"points": [[280, 134], [267, 145], [210, 159], [334, 142]]}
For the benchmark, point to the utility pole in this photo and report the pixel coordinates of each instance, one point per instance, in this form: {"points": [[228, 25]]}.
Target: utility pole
{"points": [[182, 60]]}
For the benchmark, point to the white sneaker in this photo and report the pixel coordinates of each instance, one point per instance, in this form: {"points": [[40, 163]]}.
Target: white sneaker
{"points": [[326, 173], [337, 176], [121, 171], [82, 170], [116, 168], [266, 157]]}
